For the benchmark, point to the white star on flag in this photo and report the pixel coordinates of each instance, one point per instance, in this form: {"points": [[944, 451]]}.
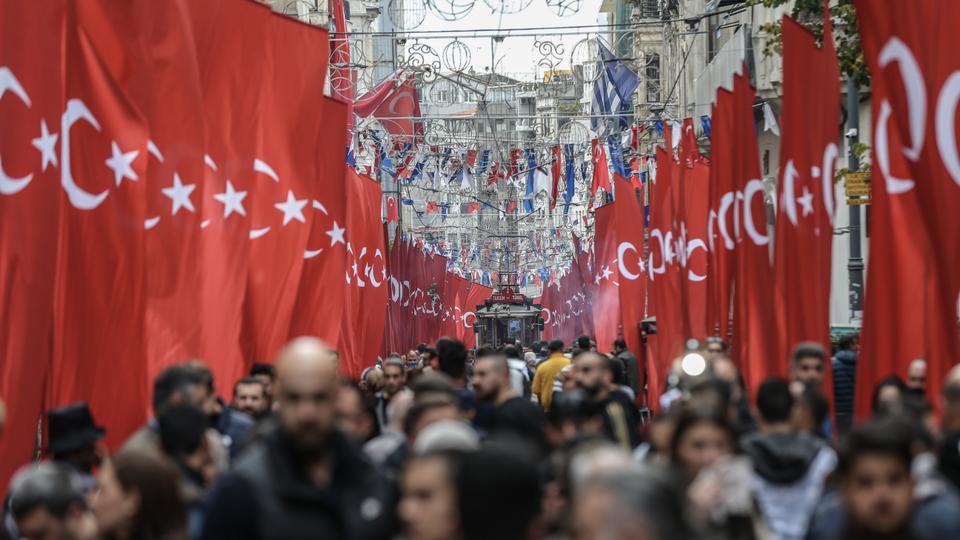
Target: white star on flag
{"points": [[179, 195], [292, 208], [232, 201], [596, 279], [806, 201], [121, 162], [336, 234], [46, 143], [606, 272]]}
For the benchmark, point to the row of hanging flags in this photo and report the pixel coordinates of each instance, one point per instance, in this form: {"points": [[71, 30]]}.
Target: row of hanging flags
{"points": [[715, 265], [173, 186]]}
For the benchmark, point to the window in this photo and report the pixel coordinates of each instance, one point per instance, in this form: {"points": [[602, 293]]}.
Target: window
{"points": [[653, 78]]}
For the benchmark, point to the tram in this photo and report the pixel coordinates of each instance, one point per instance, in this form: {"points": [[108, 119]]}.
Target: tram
{"points": [[508, 314]]}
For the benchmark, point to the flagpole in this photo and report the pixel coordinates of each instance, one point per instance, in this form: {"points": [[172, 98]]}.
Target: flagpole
{"points": [[855, 259]]}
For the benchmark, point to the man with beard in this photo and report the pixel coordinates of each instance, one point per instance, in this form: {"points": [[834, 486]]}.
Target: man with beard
{"points": [[514, 416], [303, 479], [250, 397], [394, 380], [594, 374]]}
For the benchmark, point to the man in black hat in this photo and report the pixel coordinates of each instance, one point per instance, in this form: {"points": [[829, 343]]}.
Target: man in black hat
{"points": [[73, 438]]}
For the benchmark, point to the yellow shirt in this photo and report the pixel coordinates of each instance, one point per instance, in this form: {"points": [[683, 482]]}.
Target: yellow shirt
{"points": [[543, 379]]}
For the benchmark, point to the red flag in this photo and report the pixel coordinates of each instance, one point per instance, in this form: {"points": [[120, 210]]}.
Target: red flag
{"points": [[606, 280], [754, 342], [664, 274], [231, 112], [393, 215], [394, 105], [31, 103], [473, 207], [601, 174], [689, 153], [494, 173], [512, 206], [100, 298], [722, 218], [809, 149], [431, 208], [556, 168], [362, 325], [693, 211], [281, 198], [173, 105], [911, 300], [471, 157], [322, 278], [631, 268]]}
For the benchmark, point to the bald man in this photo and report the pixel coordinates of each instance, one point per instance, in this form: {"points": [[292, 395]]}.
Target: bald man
{"points": [[303, 479]]}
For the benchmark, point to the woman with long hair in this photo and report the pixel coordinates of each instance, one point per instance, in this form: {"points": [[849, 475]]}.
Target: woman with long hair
{"points": [[139, 498]]}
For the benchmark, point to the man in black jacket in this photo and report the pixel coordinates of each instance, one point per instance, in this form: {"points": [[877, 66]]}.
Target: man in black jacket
{"points": [[594, 375], [303, 479]]}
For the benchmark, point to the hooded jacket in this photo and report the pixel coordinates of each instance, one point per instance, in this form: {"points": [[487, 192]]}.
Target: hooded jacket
{"points": [[789, 473]]}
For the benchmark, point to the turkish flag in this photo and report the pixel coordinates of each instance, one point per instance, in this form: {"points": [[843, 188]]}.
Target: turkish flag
{"points": [[809, 150], [601, 174], [665, 275], [689, 153], [693, 211], [911, 298], [754, 338], [284, 194], [31, 103], [721, 218], [364, 319], [606, 279], [322, 277], [100, 300], [232, 117], [631, 266], [394, 104], [172, 102], [393, 214], [477, 294]]}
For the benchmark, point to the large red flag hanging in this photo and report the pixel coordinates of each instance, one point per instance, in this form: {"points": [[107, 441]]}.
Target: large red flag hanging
{"points": [[631, 267], [722, 217], [606, 295], [98, 308], [665, 276], [322, 278], [172, 102], [693, 211], [913, 283], [31, 103], [362, 325], [810, 121], [754, 341], [231, 113], [281, 200], [476, 295]]}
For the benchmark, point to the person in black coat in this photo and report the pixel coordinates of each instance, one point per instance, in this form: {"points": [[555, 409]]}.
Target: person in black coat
{"points": [[303, 479]]}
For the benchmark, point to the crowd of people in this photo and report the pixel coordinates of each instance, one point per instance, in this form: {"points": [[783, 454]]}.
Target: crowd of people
{"points": [[548, 441]]}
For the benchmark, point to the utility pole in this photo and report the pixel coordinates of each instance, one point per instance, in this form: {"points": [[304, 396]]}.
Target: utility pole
{"points": [[855, 260]]}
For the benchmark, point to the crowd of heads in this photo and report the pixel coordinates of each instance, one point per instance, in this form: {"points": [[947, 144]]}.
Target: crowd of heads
{"points": [[506, 442]]}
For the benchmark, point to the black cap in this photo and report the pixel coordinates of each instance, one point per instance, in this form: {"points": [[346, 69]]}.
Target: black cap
{"points": [[71, 428]]}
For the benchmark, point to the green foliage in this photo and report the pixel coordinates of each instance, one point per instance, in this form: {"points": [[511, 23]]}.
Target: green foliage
{"points": [[810, 14]]}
